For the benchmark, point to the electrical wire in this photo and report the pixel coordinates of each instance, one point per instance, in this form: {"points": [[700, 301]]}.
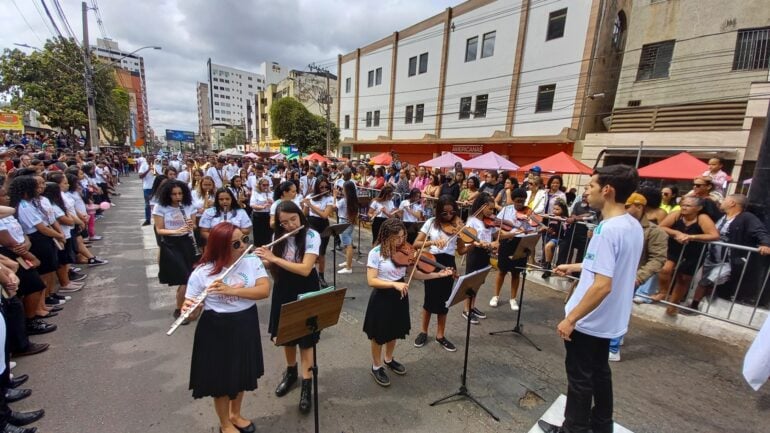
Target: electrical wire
{"points": [[25, 20]]}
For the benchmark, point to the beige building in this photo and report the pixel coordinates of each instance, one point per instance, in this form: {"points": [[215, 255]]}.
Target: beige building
{"points": [[204, 115], [694, 78]]}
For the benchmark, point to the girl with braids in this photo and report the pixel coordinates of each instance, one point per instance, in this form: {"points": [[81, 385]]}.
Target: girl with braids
{"points": [[479, 252], [387, 314], [226, 208], [292, 263], [443, 246], [57, 212], [380, 209], [347, 211]]}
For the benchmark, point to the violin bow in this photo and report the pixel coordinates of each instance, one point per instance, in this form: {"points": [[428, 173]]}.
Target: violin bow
{"points": [[419, 253], [478, 212]]}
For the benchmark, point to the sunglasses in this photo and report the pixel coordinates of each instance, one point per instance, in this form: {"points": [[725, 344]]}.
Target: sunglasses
{"points": [[699, 184], [243, 240]]}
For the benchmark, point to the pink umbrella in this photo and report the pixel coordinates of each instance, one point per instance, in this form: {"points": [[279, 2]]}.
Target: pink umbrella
{"points": [[251, 155], [490, 161], [446, 160]]}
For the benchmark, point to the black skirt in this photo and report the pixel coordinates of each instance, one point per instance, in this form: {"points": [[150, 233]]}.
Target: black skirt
{"points": [[45, 250], [227, 354], [177, 256], [478, 258], [320, 224], [286, 288], [67, 255], [505, 263], [437, 290], [260, 222], [387, 316], [29, 279]]}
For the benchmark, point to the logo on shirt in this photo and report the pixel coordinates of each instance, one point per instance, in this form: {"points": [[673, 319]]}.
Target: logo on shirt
{"points": [[590, 256]]}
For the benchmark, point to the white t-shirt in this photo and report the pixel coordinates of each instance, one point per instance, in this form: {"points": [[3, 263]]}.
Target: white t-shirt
{"points": [[80, 205], [183, 176], [484, 233], [613, 251], [197, 200], [342, 208], [414, 207], [13, 227], [297, 200], [261, 198], [100, 174], [172, 216], [312, 245], [321, 203], [218, 176], [386, 269], [509, 213], [378, 206], [148, 180], [246, 273], [239, 218], [434, 233], [59, 212], [51, 212]]}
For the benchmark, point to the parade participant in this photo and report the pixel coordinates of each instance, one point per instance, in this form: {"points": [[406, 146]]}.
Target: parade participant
{"points": [[203, 194], [518, 215], [387, 314], [240, 192], [380, 209], [174, 222], [292, 265], [225, 208], [261, 200], [437, 233], [411, 213], [479, 251], [318, 207], [217, 173], [286, 191], [600, 307], [223, 368], [56, 210], [84, 255], [148, 177], [347, 211]]}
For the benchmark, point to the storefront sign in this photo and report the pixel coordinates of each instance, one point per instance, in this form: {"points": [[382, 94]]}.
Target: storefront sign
{"points": [[471, 149]]}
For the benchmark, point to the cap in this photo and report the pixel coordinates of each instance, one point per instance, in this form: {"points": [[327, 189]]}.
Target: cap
{"points": [[636, 198], [536, 169]]}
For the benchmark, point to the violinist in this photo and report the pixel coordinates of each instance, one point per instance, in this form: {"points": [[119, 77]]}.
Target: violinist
{"points": [[438, 233], [318, 207], [380, 209], [518, 214], [411, 213], [387, 314], [479, 250]]}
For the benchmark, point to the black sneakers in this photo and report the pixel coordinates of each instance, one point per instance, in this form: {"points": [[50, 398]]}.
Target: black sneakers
{"points": [[396, 367], [421, 339], [474, 320], [446, 344], [380, 376], [478, 313]]}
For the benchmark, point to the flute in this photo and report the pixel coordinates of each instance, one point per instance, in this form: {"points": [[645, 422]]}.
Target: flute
{"points": [[202, 297], [191, 233]]}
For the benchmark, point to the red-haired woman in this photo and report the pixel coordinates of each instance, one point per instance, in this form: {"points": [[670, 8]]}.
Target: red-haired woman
{"points": [[227, 351]]}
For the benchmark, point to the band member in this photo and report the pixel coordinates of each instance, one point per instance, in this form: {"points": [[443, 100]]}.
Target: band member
{"points": [[261, 200], [479, 252], [292, 265], [380, 209], [347, 212], [318, 207], [240, 192], [203, 194], [173, 218], [227, 351], [226, 208], [286, 191], [517, 215], [437, 233], [411, 213]]}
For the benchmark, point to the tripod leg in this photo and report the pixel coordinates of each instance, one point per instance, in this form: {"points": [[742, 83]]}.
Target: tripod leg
{"points": [[315, 388], [517, 330]]}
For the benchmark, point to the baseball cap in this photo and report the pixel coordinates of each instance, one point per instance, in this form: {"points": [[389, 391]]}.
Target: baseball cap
{"points": [[636, 198], [536, 169]]}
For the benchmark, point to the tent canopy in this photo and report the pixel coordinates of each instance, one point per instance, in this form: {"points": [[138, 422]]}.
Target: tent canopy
{"points": [[382, 159], [560, 163], [231, 152], [251, 155], [490, 161], [446, 160], [278, 156], [317, 157], [682, 166]]}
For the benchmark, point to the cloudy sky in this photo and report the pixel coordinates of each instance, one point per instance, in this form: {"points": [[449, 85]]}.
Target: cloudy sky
{"points": [[238, 33]]}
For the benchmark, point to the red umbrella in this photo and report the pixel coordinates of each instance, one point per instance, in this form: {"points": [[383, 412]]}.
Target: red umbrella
{"points": [[680, 166], [382, 159], [317, 157], [559, 163]]}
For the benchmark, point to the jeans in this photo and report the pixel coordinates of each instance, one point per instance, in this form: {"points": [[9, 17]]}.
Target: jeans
{"points": [[147, 196], [589, 389], [648, 288]]}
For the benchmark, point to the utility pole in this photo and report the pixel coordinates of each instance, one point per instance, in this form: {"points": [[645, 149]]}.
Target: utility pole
{"points": [[325, 98], [93, 128]]}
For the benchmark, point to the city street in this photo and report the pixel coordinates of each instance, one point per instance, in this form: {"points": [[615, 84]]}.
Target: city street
{"points": [[111, 368]]}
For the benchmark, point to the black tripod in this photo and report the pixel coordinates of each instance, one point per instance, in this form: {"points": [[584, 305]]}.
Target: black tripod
{"points": [[463, 391], [331, 231]]}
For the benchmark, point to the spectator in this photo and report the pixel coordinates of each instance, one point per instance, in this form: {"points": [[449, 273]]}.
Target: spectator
{"points": [[652, 209], [702, 188], [535, 194], [669, 198], [553, 193], [718, 177], [491, 184]]}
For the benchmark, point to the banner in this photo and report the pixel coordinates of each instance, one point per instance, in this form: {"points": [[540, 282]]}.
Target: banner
{"points": [[11, 121], [182, 136]]}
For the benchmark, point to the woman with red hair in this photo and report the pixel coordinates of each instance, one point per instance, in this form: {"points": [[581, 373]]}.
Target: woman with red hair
{"points": [[227, 351]]}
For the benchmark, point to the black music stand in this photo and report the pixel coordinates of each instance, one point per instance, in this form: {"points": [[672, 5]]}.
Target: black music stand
{"points": [[363, 203], [466, 287], [524, 249], [335, 230], [305, 317]]}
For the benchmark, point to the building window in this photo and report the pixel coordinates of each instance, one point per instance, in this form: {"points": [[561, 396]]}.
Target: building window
{"points": [[370, 81], [409, 113], [655, 60], [556, 24], [545, 98], [412, 66], [368, 119], [488, 45], [619, 31], [470, 48], [376, 118], [419, 112], [378, 76], [347, 85], [481, 106], [347, 121], [423, 63], [465, 107], [751, 49]]}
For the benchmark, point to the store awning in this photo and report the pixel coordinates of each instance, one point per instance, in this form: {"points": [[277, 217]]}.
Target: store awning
{"points": [[682, 166], [559, 163]]}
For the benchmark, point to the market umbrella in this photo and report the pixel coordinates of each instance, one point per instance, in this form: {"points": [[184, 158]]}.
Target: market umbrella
{"points": [[680, 166], [278, 156], [446, 160], [251, 155], [560, 163], [382, 159], [317, 157], [490, 161], [231, 152]]}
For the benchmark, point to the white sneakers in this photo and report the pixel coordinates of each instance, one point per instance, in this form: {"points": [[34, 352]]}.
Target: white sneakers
{"points": [[514, 305], [614, 356], [493, 302], [345, 271], [342, 265]]}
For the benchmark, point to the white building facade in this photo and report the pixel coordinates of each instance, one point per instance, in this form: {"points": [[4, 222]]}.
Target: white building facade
{"points": [[231, 96]]}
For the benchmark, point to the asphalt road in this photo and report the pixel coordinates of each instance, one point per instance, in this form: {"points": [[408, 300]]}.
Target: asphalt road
{"points": [[111, 368]]}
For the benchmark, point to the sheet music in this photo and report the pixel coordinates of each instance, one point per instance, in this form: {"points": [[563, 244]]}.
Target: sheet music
{"points": [[459, 283]]}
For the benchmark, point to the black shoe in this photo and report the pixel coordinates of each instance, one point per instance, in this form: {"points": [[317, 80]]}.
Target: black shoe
{"points": [[34, 348], [38, 327], [474, 320], [20, 419], [75, 276], [421, 339], [53, 301], [548, 427], [478, 313], [396, 367], [55, 309], [146, 223], [380, 376], [248, 429], [305, 397], [9, 428], [446, 344], [61, 297], [19, 380], [323, 282], [14, 395], [289, 379]]}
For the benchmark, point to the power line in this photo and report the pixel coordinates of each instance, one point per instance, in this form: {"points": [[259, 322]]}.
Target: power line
{"points": [[50, 17], [42, 18], [25, 20], [99, 21]]}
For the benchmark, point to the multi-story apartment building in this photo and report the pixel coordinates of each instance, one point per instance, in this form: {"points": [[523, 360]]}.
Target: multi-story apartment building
{"points": [[694, 77], [231, 96], [204, 115], [510, 76]]}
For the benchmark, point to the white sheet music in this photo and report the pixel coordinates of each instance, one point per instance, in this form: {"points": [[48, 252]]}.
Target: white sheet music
{"points": [[459, 283]]}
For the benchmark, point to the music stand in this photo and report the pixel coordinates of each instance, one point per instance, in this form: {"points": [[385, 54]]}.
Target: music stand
{"points": [[363, 204], [524, 249], [305, 317], [466, 287], [335, 230]]}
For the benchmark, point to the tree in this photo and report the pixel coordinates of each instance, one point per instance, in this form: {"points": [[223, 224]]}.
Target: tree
{"points": [[234, 137], [294, 124], [116, 117]]}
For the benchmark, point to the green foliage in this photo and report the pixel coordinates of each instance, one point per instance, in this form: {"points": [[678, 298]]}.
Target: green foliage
{"points": [[294, 124], [233, 137]]}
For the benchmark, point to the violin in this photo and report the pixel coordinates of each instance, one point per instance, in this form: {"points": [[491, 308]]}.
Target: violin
{"points": [[406, 255], [451, 228], [468, 235], [502, 224]]}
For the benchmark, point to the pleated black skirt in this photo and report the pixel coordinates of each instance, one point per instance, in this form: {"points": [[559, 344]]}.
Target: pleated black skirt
{"points": [[29, 279], [505, 263], [227, 354], [387, 316], [177, 256], [437, 291], [478, 258], [287, 288], [45, 250]]}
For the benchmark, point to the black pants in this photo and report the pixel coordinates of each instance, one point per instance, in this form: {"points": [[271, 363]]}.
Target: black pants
{"points": [[589, 390], [5, 380], [575, 238], [16, 339]]}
